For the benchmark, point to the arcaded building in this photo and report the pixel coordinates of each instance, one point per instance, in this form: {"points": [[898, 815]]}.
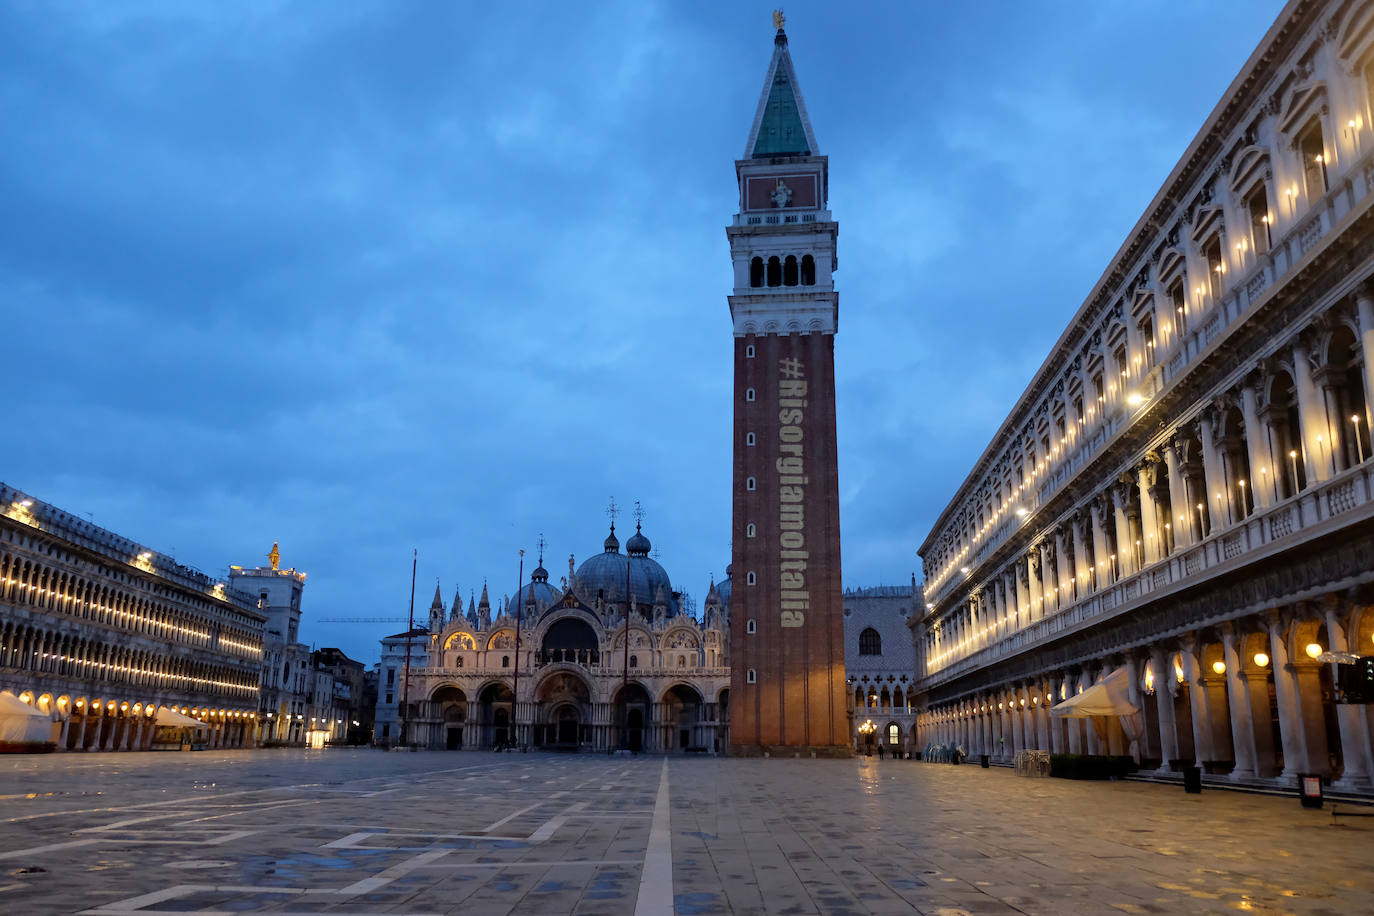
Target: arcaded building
{"points": [[592, 670], [101, 633], [1183, 492], [881, 666]]}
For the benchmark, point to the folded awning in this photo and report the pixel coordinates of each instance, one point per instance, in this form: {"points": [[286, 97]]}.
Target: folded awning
{"points": [[169, 716], [1111, 697]]}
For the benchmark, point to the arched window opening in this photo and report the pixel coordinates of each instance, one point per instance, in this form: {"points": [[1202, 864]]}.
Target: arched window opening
{"points": [[808, 270], [756, 272], [634, 661], [751, 677], [750, 627], [750, 531], [789, 271], [750, 579], [749, 439], [750, 484], [870, 643], [774, 271], [748, 351], [749, 394], [505, 661]]}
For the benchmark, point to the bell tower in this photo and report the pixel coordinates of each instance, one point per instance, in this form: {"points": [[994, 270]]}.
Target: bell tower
{"points": [[787, 687]]}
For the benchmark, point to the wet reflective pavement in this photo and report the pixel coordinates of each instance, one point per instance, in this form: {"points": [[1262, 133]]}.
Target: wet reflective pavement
{"points": [[362, 831]]}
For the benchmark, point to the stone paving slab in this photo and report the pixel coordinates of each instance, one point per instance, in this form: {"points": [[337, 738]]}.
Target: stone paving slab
{"points": [[362, 831]]}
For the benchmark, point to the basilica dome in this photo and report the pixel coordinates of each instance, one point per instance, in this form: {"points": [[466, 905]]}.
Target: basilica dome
{"points": [[603, 575], [539, 588]]}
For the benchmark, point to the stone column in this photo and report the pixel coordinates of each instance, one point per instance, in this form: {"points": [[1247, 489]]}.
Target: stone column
{"points": [[1165, 684], [1082, 570], [1036, 606], [1101, 571], [1364, 306], [1257, 446], [1218, 493], [1291, 730], [1181, 521], [1312, 418], [1197, 699], [1021, 575], [1149, 524], [1067, 592], [1018, 735], [1352, 720], [1238, 695], [1049, 586], [1093, 744], [1125, 543]]}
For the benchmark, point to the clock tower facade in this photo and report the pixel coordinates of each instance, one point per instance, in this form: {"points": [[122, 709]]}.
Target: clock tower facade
{"points": [[787, 695]]}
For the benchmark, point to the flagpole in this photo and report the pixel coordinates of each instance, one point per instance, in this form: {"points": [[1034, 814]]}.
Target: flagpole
{"points": [[519, 614], [405, 683]]}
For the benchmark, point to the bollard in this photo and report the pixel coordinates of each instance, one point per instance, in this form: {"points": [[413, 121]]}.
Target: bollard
{"points": [[1192, 780], [1311, 787]]}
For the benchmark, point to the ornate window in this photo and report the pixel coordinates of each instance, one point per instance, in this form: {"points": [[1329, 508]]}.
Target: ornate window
{"points": [[1312, 152], [1257, 204], [870, 643], [1215, 267]]}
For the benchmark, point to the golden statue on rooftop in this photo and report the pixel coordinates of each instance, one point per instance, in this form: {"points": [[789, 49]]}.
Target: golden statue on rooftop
{"points": [[778, 19], [275, 556]]}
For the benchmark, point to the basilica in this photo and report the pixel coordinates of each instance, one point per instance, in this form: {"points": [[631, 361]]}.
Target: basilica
{"points": [[611, 658]]}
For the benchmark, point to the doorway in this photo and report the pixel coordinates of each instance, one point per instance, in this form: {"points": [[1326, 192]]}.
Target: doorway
{"points": [[567, 726]]}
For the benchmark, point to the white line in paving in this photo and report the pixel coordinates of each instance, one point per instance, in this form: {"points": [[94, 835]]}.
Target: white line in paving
{"points": [[387, 875], [36, 850], [524, 864], [656, 879], [510, 817]]}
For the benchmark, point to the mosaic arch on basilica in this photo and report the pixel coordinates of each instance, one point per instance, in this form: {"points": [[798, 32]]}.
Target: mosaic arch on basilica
{"points": [[1184, 493], [595, 672]]}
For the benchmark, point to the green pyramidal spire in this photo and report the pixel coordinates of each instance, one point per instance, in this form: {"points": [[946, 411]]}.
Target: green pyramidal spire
{"points": [[781, 127]]}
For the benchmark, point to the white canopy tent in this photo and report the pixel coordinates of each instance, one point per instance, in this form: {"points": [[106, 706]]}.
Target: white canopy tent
{"points": [[171, 718], [1109, 697], [21, 722]]}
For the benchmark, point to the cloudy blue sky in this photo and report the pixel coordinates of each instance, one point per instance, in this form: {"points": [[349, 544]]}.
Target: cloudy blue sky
{"points": [[367, 277]]}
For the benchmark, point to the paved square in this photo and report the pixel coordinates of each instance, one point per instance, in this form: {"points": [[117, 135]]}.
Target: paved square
{"points": [[370, 832]]}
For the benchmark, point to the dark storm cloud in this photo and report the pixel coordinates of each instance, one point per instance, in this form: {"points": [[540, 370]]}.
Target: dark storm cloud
{"points": [[368, 277]]}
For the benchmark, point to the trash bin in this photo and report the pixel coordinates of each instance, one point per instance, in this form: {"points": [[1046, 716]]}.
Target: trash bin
{"points": [[1192, 780], [983, 761], [1311, 787]]}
